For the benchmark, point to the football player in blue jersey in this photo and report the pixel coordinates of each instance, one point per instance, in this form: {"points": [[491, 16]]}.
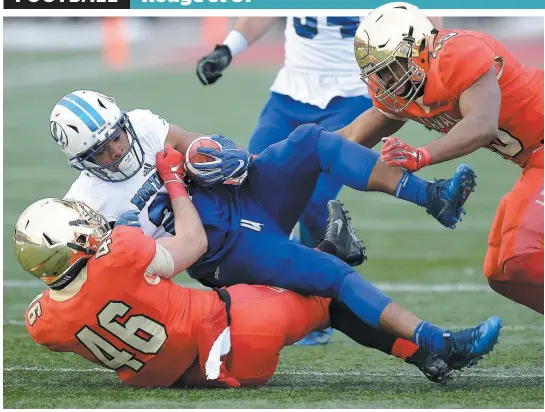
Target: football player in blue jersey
{"points": [[319, 83]]}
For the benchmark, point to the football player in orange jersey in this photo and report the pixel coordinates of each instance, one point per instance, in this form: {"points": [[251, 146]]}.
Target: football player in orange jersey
{"points": [[466, 85], [111, 300]]}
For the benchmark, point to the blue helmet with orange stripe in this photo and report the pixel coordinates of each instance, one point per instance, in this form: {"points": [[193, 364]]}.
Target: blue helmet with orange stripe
{"points": [[84, 123]]}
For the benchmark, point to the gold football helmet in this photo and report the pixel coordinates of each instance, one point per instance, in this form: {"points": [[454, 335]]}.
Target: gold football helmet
{"points": [[54, 238], [392, 48]]}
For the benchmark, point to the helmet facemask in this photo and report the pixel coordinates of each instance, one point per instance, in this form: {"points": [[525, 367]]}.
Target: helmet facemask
{"points": [[399, 65], [123, 168]]}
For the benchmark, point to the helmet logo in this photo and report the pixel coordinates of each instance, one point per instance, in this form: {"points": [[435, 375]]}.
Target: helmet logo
{"points": [[58, 134]]}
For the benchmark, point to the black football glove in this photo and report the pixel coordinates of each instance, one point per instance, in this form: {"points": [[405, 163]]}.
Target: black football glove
{"points": [[209, 68]]}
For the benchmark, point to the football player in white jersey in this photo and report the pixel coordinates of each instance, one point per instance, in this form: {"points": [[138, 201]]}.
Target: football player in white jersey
{"points": [[319, 83], [115, 152]]}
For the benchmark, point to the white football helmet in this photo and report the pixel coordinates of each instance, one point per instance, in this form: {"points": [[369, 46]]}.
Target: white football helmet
{"points": [[54, 238], [83, 122], [391, 32]]}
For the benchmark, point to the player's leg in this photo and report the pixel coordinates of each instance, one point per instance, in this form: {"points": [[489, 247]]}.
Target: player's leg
{"points": [[340, 112], [514, 262], [523, 285], [268, 258], [344, 320], [491, 266], [265, 319], [280, 116], [284, 176], [275, 122]]}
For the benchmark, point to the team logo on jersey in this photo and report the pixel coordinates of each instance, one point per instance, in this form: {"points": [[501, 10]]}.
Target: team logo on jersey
{"points": [[58, 134], [442, 122], [499, 65], [251, 225], [148, 169], [148, 189], [441, 43]]}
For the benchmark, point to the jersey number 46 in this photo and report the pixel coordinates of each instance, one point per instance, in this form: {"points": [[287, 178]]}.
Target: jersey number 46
{"points": [[140, 333]]}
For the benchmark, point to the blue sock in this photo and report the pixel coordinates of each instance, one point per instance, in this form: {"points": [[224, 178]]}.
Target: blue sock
{"points": [[365, 300], [430, 338], [413, 189], [347, 162]]}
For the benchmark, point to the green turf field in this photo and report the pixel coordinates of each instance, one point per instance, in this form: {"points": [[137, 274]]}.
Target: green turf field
{"points": [[412, 256]]}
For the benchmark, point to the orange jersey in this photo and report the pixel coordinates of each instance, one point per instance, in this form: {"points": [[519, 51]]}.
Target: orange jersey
{"points": [[458, 59], [143, 327]]}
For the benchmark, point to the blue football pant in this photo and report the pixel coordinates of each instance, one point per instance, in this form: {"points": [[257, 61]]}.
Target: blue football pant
{"points": [[279, 185], [280, 116]]}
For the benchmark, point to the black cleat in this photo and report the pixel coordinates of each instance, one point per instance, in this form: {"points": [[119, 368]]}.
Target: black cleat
{"points": [[340, 239], [432, 366]]}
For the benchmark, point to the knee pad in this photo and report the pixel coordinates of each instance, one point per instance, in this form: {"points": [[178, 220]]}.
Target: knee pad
{"points": [[305, 131]]}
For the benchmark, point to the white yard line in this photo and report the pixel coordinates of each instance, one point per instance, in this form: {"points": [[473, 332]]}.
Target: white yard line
{"points": [[495, 374]]}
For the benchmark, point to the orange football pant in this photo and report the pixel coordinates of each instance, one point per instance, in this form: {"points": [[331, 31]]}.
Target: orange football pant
{"points": [[514, 260], [264, 319]]}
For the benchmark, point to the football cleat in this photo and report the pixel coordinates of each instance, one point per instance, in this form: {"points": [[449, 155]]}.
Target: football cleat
{"points": [[318, 337], [432, 366], [468, 346], [340, 240], [446, 197]]}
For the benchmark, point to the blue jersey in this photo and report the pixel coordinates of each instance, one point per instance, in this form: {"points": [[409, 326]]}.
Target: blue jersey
{"points": [[219, 210]]}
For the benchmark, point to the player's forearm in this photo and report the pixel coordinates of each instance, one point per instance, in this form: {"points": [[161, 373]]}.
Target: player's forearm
{"points": [[369, 127], [470, 134], [190, 241], [253, 28]]}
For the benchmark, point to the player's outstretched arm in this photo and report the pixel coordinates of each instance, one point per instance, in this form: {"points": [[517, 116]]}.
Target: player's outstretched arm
{"points": [[369, 127], [247, 30], [480, 108], [190, 241]]}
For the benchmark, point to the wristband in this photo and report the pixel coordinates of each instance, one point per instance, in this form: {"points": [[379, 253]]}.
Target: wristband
{"points": [[426, 158], [176, 189], [236, 42]]}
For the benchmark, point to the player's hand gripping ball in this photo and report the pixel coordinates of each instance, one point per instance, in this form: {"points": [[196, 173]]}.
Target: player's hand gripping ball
{"points": [[193, 156], [215, 159]]}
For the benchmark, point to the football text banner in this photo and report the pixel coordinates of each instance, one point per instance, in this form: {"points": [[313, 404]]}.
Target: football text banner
{"points": [[67, 4], [331, 4]]}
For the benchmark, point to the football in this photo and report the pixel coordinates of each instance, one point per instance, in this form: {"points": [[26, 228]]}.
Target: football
{"points": [[192, 156]]}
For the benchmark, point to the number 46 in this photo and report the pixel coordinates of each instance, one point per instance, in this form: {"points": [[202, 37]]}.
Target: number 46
{"points": [[139, 332]]}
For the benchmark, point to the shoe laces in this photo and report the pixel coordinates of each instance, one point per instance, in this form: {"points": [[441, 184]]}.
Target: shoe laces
{"points": [[439, 186], [464, 339]]}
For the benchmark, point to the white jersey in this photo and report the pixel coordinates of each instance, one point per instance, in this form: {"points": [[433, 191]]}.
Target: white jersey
{"points": [[144, 191], [319, 61]]}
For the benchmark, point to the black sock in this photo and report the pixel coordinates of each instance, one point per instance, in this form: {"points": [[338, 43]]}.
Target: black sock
{"points": [[345, 321]]}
